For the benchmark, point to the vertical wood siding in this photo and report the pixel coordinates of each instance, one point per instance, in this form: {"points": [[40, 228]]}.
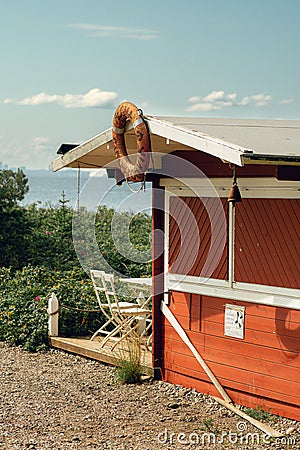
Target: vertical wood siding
{"points": [[267, 242], [181, 249]]}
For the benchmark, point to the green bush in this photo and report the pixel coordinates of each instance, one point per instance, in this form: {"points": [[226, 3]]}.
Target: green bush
{"points": [[24, 298], [259, 413], [51, 243], [109, 244]]}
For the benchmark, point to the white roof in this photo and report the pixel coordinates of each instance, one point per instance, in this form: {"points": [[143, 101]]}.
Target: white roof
{"points": [[238, 141]]}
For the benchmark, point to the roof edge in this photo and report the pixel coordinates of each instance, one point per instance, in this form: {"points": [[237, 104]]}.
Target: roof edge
{"points": [[81, 150], [200, 141]]}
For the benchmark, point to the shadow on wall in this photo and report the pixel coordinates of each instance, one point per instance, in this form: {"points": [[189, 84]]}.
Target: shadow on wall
{"points": [[288, 331]]}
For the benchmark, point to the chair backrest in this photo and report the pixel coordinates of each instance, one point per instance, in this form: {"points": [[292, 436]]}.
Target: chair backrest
{"points": [[110, 291], [97, 280], [104, 282]]}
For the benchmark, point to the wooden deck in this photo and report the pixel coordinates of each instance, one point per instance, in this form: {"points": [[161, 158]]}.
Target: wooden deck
{"points": [[91, 349]]}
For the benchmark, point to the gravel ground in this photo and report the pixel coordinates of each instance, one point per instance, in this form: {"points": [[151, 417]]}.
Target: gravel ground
{"points": [[59, 401]]}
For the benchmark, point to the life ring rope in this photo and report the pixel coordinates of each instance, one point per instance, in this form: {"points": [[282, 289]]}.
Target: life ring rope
{"points": [[142, 186], [128, 111]]}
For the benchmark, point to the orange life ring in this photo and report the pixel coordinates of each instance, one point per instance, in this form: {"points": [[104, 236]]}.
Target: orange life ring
{"points": [[132, 172]]}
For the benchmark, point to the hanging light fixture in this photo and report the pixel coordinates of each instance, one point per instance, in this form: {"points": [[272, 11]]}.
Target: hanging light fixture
{"points": [[234, 193]]}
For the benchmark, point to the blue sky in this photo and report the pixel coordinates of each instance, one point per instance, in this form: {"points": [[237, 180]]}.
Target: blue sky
{"points": [[67, 64]]}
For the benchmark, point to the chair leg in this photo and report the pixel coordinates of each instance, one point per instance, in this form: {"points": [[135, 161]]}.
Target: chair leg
{"points": [[124, 336], [102, 329], [110, 335], [148, 342], [129, 323]]}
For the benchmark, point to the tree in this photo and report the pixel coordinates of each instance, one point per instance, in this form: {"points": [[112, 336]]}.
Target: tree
{"points": [[51, 237], [15, 229], [13, 187]]}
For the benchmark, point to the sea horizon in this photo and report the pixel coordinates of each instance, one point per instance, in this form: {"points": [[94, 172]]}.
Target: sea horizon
{"points": [[92, 189]]}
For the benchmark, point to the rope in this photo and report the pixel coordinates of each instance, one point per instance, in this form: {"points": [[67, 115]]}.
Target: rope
{"points": [[78, 309], [53, 313], [140, 188]]}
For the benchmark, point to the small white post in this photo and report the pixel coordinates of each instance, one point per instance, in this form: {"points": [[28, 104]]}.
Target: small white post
{"points": [[53, 315]]}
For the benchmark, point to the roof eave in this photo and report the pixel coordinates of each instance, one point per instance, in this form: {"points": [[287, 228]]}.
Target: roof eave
{"points": [[199, 141], [70, 158]]}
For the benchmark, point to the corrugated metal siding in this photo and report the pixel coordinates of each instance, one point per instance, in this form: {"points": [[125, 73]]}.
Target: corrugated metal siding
{"points": [[181, 250], [261, 369], [267, 239]]}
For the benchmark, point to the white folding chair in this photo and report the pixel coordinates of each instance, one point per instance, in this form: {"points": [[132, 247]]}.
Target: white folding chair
{"points": [[97, 277], [127, 315], [142, 292]]}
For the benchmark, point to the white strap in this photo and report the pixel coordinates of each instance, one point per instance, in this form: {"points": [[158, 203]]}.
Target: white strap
{"points": [[137, 122], [118, 130]]}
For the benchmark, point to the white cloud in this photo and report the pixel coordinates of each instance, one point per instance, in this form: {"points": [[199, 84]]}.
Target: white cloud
{"points": [[245, 101], [231, 97], [34, 153], [40, 143], [214, 96], [94, 98], [217, 100], [194, 99], [108, 31], [201, 107], [261, 99], [286, 101]]}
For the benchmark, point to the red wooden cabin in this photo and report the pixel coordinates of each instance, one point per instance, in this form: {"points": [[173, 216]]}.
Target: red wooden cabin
{"points": [[229, 272]]}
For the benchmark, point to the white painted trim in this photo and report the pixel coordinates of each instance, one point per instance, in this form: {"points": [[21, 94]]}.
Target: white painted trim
{"points": [[166, 246], [200, 141], [246, 292], [82, 150], [231, 234], [249, 187]]}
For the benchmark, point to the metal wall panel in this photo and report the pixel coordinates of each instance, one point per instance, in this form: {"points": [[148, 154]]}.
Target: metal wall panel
{"points": [[182, 249], [267, 242]]}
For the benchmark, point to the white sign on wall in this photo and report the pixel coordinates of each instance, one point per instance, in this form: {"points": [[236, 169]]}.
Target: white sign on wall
{"points": [[234, 320]]}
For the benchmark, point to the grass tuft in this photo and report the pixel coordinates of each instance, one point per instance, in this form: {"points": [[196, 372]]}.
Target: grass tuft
{"points": [[129, 370]]}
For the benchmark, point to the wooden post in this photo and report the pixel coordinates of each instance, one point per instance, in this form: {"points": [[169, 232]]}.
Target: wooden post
{"points": [[53, 315], [158, 277]]}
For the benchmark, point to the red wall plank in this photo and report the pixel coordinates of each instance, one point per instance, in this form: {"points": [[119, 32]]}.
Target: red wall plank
{"points": [[246, 362], [278, 332], [240, 397], [237, 347], [265, 364], [214, 167], [267, 385]]}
